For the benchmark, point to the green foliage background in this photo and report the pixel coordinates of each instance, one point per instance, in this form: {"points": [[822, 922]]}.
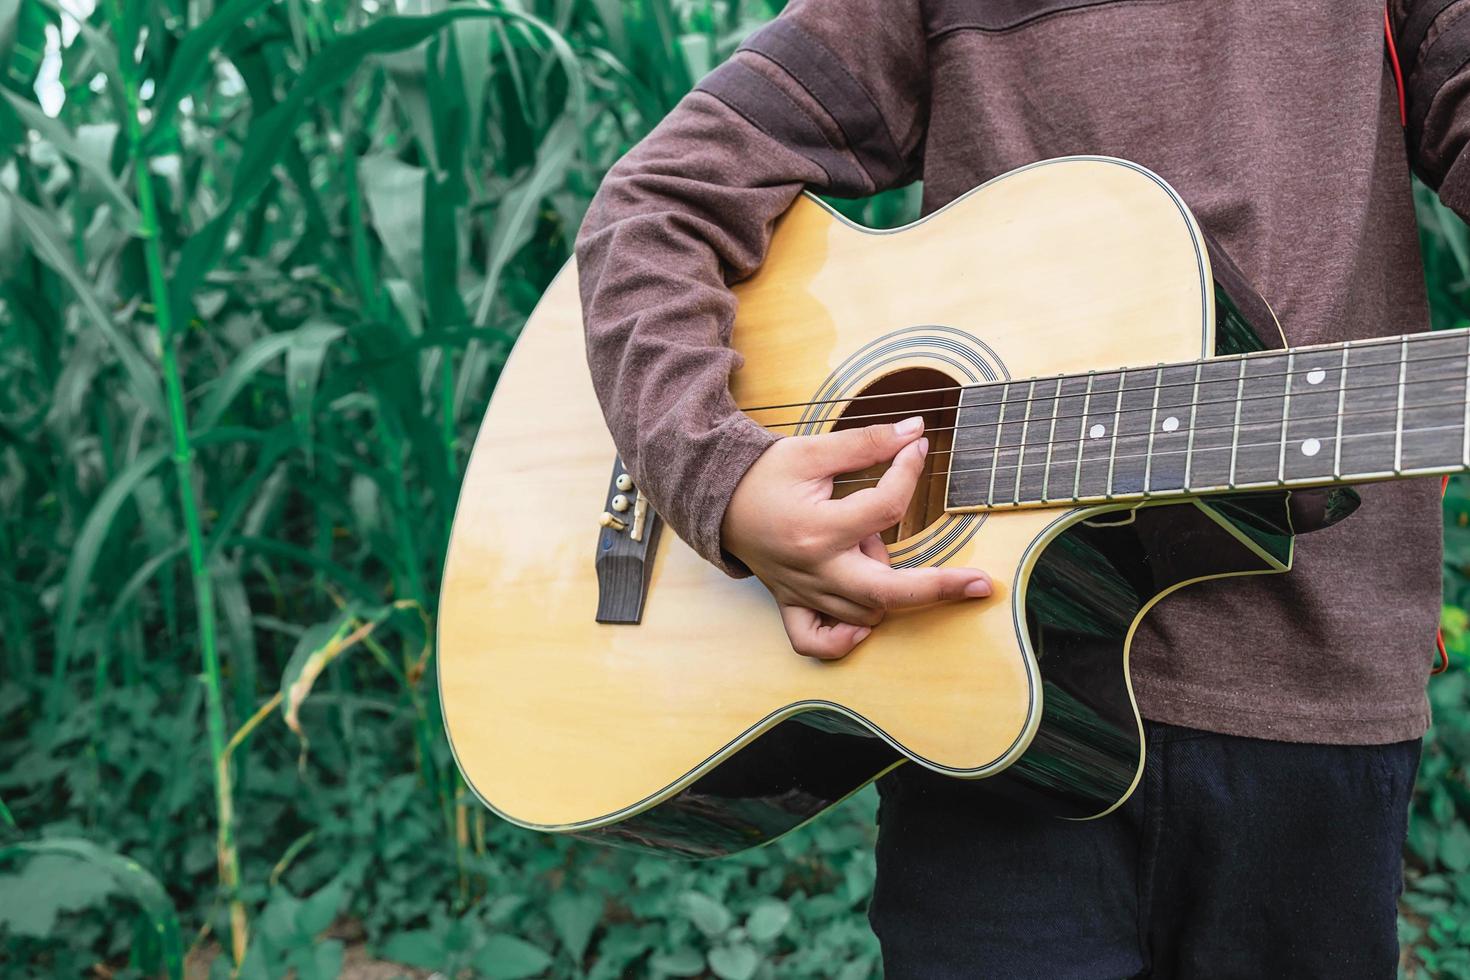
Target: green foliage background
{"points": [[260, 264]]}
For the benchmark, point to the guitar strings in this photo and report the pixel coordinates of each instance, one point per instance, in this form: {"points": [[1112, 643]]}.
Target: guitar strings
{"points": [[1082, 438], [1256, 445], [1031, 400], [1077, 463], [1227, 358], [1235, 358]]}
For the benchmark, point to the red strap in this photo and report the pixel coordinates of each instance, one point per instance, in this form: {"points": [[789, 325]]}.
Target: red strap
{"points": [[1398, 81], [1444, 655], [1393, 59]]}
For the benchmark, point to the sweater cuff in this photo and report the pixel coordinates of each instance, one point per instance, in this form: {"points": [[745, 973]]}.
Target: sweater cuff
{"points": [[741, 444], [1454, 190]]}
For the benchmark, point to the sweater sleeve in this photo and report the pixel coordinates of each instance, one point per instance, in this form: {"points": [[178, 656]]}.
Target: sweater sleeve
{"points": [[1432, 38], [830, 96]]}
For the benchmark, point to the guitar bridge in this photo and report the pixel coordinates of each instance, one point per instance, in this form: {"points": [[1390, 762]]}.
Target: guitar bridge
{"points": [[625, 547]]}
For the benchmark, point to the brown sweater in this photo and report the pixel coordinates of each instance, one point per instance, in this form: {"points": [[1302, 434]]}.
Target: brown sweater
{"points": [[1277, 122]]}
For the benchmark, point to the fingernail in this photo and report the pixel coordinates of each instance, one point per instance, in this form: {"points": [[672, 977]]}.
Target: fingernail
{"points": [[923, 446], [861, 635], [910, 427], [978, 588]]}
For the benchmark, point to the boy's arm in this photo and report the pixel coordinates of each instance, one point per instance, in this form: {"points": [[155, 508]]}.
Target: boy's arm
{"points": [[832, 95], [1432, 40]]}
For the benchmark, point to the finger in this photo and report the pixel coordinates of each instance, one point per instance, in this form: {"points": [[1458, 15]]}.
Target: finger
{"points": [[846, 611], [868, 583], [884, 505], [810, 638], [874, 548], [854, 449]]}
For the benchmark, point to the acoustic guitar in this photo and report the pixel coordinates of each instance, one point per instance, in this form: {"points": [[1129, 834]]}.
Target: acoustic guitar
{"points": [[1112, 416]]}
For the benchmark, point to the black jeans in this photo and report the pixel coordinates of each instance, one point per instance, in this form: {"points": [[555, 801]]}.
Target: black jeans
{"points": [[1235, 857]]}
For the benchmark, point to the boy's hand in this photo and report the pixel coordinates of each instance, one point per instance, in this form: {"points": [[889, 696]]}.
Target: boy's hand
{"points": [[822, 558]]}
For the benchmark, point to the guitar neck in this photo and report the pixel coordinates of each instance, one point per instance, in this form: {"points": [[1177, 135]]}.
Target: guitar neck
{"points": [[1308, 416]]}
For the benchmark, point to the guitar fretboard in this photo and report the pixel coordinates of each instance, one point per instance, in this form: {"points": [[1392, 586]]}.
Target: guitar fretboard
{"points": [[1341, 413]]}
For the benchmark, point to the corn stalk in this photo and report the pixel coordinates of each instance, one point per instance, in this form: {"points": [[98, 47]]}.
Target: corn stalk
{"points": [[130, 72]]}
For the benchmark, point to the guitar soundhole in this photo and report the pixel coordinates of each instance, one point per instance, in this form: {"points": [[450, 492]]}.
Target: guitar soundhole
{"points": [[892, 398]]}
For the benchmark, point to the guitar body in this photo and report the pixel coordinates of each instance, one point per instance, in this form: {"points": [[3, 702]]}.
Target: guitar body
{"points": [[696, 730]]}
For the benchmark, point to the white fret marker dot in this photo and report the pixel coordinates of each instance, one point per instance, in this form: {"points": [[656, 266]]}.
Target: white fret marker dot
{"points": [[1096, 432], [1311, 447], [1315, 376], [1170, 424]]}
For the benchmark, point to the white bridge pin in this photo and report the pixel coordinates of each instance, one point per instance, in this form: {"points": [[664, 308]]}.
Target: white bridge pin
{"points": [[1096, 432], [1311, 447], [1314, 377]]}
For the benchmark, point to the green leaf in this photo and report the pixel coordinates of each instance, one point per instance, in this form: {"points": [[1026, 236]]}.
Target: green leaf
{"points": [[9, 28], [44, 235], [472, 41], [47, 886], [304, 356], [683, 962], [191, 60], [767, 920], [318, 960], [318, 647], [273, 132], [395, 197], [574, 917], [1454, 848], [82, 556], [320, 910], [513, 219], [737, 962], [419, 947], [508, 958], [304, 347], [53, 132], [513, 226], [708, 915], [122, 874], [246, 364]]}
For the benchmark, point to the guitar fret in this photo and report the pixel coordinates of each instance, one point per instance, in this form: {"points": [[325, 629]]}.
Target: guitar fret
{"points": [[995, 453], [1311, 421], [1262, 421], [1342, 374], [1171, 429], [1235, 428], [1031, 477], [1051, 440], [974, 446], [1117, 420], [1398, 423], [1211, 440], [1285, 415], [1082, 434], [1153, 421], [1432, 429], [1025, 432], [1071, 430], [1370, 431], [1097, 457], [1465, 454], [1193, 412], [1133, 433]]}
